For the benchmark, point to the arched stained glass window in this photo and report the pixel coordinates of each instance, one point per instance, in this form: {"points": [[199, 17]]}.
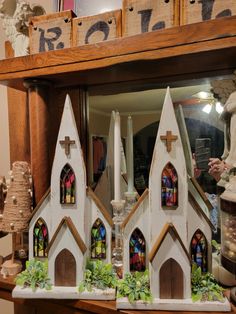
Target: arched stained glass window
{"points": [[98, 240], [169, 186], [40, 238], [137, 251], [199, 250], [67, 185]]}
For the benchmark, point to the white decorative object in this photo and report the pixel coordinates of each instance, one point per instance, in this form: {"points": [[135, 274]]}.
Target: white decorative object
{"points": [[69, 224], [117, 158], [167, 231], [15, 15], [130, 155], [105, 186]]}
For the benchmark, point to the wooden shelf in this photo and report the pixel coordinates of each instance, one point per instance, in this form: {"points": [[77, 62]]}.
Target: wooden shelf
{"points": [[69, 306], [191, 51]]}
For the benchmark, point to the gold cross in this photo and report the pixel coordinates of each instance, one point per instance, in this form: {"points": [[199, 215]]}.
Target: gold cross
{"points": [[168, 138], [67, 142]]}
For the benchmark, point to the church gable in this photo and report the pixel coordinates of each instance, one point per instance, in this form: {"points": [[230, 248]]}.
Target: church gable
{"points": [[66, 242], [168, 175], [169, 252], [68, 179]]}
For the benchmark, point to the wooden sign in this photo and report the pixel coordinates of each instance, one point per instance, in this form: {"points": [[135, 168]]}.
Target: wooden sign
{"points": [[193, 11], [96, 28], [51, 31], [149, 15]]}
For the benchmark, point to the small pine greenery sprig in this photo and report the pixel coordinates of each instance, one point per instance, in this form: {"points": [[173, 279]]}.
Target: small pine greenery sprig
{"points": [[34, 276], [135, 286], [205, 286], [98, 275]]}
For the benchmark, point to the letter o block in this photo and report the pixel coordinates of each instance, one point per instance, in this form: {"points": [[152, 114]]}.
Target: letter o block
{"points": [[96, 28]]}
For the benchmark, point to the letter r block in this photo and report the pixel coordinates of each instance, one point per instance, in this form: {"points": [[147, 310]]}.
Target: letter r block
{"points": [[51, 31]]}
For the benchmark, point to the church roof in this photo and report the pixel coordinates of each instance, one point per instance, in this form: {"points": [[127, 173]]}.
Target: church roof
{"points": [[101, 207], [47, 193], [198, 208], [168, 228], [68, 222], [201, 192], [136, 206]]}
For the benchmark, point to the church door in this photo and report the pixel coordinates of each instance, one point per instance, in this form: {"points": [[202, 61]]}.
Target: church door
{"points": [[171, 280], [65, 269]]}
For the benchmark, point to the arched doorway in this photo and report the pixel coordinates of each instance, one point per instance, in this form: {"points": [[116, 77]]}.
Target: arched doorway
{"points": [[65, 269], [171, 280]]}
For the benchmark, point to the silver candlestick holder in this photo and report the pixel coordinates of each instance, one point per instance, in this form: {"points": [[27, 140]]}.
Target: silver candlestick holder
{"points": [[117, 253], [131, 199]]}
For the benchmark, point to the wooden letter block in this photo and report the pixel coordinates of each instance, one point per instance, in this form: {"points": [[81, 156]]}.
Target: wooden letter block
{"points": [[193, 11], [96, 28], [51, 32], [141, 16]]}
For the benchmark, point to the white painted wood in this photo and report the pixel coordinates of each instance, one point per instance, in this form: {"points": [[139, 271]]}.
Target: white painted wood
{"points": [[175, 305], [54, 293], [75, 160], [158, 216], [63, 293], [65, 240], [150, 218], [83, 214], [170, 248], [98, 294]]}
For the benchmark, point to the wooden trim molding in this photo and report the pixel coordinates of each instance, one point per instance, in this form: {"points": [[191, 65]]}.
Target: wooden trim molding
{"points": [[101, 207], [168, 228], [136, 206], [68, 222]]}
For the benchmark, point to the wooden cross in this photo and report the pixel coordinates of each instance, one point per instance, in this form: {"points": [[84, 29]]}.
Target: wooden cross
{"points": [[67, 142], [168, 138]]}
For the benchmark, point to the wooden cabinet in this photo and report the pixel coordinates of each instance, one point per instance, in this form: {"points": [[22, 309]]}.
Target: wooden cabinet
{"points": [[148, 60]]}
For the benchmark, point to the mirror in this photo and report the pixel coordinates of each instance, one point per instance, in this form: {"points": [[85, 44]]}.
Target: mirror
{"points": [[202, 118]]}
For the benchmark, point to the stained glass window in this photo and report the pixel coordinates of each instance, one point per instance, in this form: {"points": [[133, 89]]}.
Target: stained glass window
{"points": [[169, 186], [199, 250], [137, 249], [40, 238], [67, 185], [98, 240]]}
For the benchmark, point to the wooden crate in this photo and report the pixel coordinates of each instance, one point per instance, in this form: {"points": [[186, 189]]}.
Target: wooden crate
{"points": [[51, 31], [141, 16], [96, 28], [193, 11]]}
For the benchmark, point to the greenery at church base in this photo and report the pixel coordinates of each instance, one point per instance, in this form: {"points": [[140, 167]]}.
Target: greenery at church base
{"points": [[205, 286], [98, 275], [135, 286], [34, 276]]}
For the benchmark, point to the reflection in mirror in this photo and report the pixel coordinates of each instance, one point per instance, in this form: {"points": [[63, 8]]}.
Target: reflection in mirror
{"points": [[204, 127]]}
